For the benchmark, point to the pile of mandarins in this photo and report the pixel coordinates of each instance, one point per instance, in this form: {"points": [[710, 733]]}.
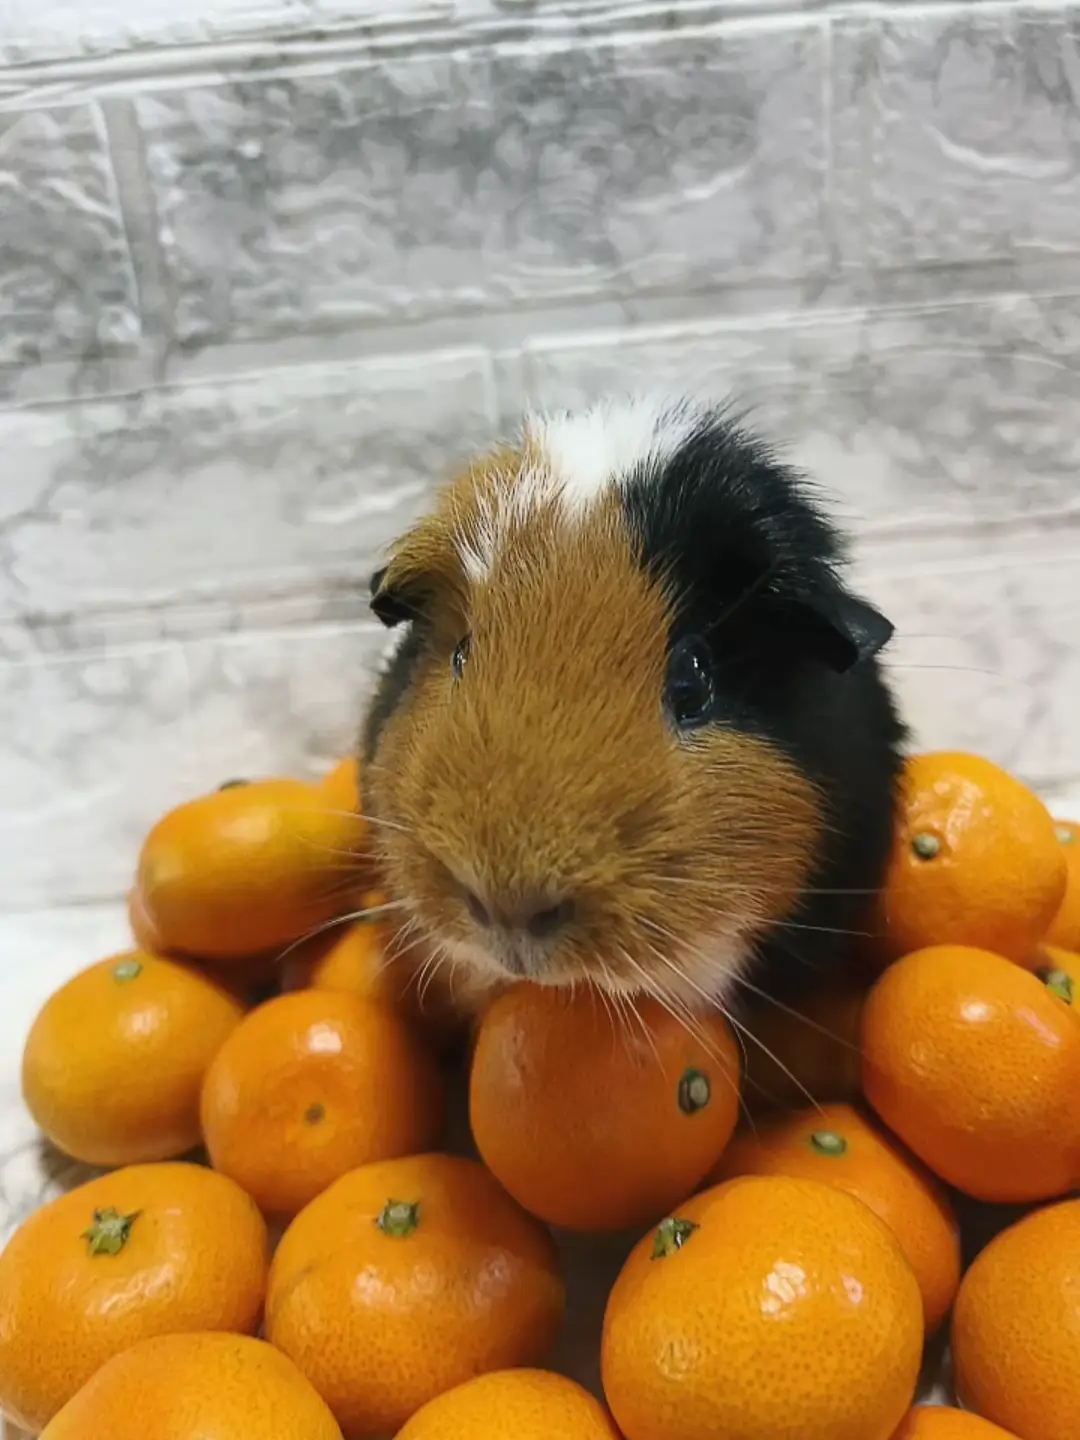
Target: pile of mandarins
{"points": [[787, 1274]]}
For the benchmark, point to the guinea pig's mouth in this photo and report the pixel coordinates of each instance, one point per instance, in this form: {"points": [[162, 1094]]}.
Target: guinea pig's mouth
{"points": [[694, 976], [507, 955]]}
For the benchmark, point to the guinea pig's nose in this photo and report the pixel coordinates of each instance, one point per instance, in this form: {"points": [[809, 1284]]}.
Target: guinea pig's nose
{"points": [[538, 915]]}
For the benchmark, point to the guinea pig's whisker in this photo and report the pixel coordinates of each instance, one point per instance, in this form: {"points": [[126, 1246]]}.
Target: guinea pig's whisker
{"points": [[676, 1007], [636, 1013], [742, 598], [431, 967], [634, 1018], [361, 819], [789, 950], [341, 886], [795, 1014], [822, 929], [681, 1012], [773, 1057], [960, 669], [398, 943], [738, 1026], [437, 958], [313, 934], [347, 919], [619, 1008]]}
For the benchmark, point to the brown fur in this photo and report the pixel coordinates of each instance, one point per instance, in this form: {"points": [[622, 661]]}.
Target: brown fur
{"points": [[549, 766]]}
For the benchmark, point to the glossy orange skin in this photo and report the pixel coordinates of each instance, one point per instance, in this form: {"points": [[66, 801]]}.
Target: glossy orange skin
{"points": [[877, 1171], [790, 1311], [475, 1287], [114, 1062], [311, 1085], [213, 1386], [939, 1422], [248, 869], [794, 1056], [578, 1114], [143, 931], [243, 976], [195, 1258], [1065, 927], [367, 959], [976, 1066], [999, 875], [525, 1404], [341, 785], [351, 957], [1016, 1327]]}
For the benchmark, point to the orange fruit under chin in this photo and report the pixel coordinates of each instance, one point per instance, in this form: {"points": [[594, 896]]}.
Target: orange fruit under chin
{"points": [[179, 1386], [976, 860], [838, 1146], [405, 1279], [524, 1404], [145, 1251], [975, 1064], [764, 1307], [114, 1062], [1016, 1327], [593, 1122], [311, 1085]]}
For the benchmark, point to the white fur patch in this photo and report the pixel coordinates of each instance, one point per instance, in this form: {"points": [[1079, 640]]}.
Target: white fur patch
{"points": [[575, 459], [589, 452]]}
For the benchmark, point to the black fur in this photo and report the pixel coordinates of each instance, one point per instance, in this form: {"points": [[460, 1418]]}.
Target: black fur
{"points": [[393, 684], [755, 568]]}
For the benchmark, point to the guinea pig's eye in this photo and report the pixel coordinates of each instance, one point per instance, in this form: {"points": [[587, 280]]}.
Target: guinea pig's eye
{"points": [[690, 693], [460, 657]]}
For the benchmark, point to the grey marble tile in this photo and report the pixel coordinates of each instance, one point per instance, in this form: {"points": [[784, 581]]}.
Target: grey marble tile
{"points": [[97, 746], [957, 135], [927, 422], [35, 31], [490, 178], [290, 480], [986, 656], [67, 288]]}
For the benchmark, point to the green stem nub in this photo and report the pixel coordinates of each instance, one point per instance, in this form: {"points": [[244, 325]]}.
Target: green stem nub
{"points": [[109, 1233], [127, 970], [828, 1142], [695, 1091], [1059, 984], [399, 1218], [926, 847], [233, 784], [671, 1235], [1065, 837]]}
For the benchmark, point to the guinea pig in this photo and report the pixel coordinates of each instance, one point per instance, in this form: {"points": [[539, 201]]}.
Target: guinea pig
{"points": [[634, 728]]}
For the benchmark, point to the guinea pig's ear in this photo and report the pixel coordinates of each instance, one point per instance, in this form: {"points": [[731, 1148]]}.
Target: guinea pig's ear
{"points": [[423, 564], [843, 629], [391, 607]]}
